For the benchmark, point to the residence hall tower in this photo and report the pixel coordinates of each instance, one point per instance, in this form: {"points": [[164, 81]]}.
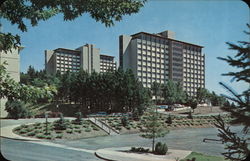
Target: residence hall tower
{"points": [[159, 57], [86, 57]]}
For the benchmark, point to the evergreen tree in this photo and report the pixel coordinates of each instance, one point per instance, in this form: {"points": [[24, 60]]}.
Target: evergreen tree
{"points": [[237, 148], [154, 128]]}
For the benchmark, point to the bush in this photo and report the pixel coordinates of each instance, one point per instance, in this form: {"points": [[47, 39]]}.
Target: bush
{"points": [[190, 115], [59, 136], [16, 109], [31, 133], [40, 136], [61, 124], [88, 130], [77, 127], [161, 149], [96, 128], [78, 119], [78, 130], [48, 137], [69, 131], [37, 124], [23, 131], [17, 128], [139, 149], [124, 121], [128, 127], [169, 120]]}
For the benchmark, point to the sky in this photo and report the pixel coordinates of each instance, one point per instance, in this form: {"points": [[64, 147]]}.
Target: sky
{"points": [[209, 23]]}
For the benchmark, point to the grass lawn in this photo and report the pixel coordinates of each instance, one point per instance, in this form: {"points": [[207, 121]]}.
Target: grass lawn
{"points": [[203, 157]]}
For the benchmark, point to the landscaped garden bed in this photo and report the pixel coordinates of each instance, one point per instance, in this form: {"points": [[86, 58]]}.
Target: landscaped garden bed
{"points": [[67, 130], [174, 122]]}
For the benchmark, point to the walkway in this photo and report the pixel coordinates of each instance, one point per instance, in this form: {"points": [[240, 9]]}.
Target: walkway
{"points": [[108, 153], [122, 154]]}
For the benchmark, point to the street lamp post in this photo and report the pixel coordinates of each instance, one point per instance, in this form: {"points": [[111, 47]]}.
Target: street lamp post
{"points": [[46, 116]]}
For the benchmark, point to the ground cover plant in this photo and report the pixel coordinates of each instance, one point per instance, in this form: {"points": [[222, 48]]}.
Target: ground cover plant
{"points": [[67, 130], [130, 125]]}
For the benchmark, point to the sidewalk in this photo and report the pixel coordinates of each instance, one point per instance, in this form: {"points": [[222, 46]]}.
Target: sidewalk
{"points": [[6, 132], [121, 154]]}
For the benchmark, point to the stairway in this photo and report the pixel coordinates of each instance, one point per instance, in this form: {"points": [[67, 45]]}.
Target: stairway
{"points": [[103, 126]]}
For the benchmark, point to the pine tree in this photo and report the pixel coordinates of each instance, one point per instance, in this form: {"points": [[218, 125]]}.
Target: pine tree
{"points": [[154, 128], [236, 146]]}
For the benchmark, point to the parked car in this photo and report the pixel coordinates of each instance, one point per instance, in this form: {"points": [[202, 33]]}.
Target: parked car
{"points": [[97, 114], [178, 106], [116, 114], [162, 106]]}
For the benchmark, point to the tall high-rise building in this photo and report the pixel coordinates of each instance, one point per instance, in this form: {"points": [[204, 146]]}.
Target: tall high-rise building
{"points": [[86, 57], [12, 58], [159, 57]]}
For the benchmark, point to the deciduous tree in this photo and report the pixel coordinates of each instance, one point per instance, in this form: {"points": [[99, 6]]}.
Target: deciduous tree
{"points": [[20, 12]]}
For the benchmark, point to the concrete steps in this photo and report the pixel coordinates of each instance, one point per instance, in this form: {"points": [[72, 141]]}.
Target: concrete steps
{"points": [[103, 126]]}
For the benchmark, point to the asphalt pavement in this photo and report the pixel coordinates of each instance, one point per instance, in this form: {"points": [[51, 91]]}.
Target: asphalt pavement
{"points": [[183, 139]]}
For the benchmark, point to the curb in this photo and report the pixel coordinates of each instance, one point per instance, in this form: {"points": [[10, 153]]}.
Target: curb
{"points": [[19, 139], [98, 156]]}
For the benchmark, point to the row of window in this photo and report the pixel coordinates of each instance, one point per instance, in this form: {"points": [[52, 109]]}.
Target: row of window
{"points": [[194, 66], [192, 79], [67, 59], [152, 48], [147, 82], [153, 41], [153, 54], [67, 55], [192, 56], [153, 60], [193, 61], [152, 75]]}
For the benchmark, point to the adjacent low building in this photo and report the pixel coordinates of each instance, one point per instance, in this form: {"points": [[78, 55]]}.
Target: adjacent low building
{"points": [[12, 58], [159, 57], [86, 57]]}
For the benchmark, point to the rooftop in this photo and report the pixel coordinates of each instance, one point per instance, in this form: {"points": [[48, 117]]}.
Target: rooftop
{"points": [[159, 36]]}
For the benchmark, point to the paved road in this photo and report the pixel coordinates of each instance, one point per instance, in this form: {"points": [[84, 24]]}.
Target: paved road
{"points": [[15, 150], [183, 139]]}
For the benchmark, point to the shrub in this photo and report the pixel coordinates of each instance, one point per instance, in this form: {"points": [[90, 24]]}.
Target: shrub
{"points": [[48, 137], [31, 133], [23, 131], [78, 119], [37, 124], [169, 120], [17, 128], [78, 130], [24, 126], [59, 136], [124, 121], [69, 131], [85, 126], [139, 149], [40, 136], [29, 129], [88, 130], [60, 124], [118, 128], [161, 149], [96, 128], [128, 127], [77, 127], [16, 109], [190, 115]]}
